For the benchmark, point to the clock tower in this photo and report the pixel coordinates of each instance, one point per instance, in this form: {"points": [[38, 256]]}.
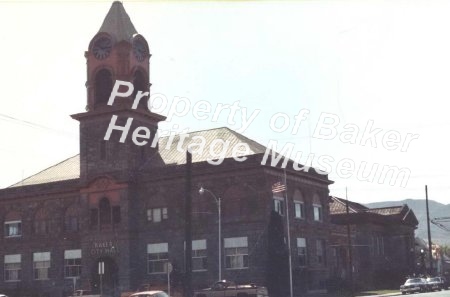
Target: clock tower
{"points": [[116, 53]]}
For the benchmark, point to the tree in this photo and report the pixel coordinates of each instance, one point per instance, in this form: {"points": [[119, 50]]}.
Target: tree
{"points": [[278, 258], [445, 250]]}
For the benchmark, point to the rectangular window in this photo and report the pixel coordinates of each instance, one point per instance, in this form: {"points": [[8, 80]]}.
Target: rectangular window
{"points": [[301, 251], [199, 255], [278, 205], [320, 251], [236, 252], [157, 258], [13, 228], [72, 263], [318, 216], [299, 210], [12, 268], [156, 215], [41, 265]]}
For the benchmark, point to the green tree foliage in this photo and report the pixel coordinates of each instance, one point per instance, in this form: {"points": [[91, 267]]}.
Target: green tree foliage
{"points": [[445, 250]]}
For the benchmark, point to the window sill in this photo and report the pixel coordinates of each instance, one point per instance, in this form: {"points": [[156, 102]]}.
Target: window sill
{"points": [[12, 281], [13, 236], [200, 270], [238, 268], [156, 273]]}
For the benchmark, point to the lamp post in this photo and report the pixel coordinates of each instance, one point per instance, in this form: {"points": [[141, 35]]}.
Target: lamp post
{"points": [[422, 260], [201, 191]]}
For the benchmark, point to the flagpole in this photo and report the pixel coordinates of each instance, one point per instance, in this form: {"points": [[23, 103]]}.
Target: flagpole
{"points": [[288, 235]]}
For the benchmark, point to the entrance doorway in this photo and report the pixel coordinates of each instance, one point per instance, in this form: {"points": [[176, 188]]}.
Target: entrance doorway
{"points": [[109, 282]]}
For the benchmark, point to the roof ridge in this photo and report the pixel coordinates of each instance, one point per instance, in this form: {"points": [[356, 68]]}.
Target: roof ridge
{"points": [[385, 207], [342, 201], [240, 135]]}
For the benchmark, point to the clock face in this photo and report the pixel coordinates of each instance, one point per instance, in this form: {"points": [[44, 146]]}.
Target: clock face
{"points": [[139, 50], [102, 47]]}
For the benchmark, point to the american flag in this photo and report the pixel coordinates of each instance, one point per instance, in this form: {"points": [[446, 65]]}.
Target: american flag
{"points": [[278, 187]]}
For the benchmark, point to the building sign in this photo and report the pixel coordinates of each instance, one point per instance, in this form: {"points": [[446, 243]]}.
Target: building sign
{"points": [[104, 248]]}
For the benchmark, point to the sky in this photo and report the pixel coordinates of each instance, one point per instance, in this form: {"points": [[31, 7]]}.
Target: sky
{"points": [[357, 87]]}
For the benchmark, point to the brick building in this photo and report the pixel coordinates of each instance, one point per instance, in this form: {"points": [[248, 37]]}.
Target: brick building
{"points": [[382, 242], [122, 204]]}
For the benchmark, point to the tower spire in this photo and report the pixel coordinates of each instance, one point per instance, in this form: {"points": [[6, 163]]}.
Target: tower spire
{"points": [[118, 24], [116, 53]]}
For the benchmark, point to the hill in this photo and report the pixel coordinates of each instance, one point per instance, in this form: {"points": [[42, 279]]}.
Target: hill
{"points": [[419, 207]]}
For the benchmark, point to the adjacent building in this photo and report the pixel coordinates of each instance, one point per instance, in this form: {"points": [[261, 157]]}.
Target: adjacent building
{"points": [[382, 241]]}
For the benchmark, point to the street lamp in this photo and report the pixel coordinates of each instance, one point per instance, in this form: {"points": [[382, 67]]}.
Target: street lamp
{"points": [[422, 260], [201, 191]]}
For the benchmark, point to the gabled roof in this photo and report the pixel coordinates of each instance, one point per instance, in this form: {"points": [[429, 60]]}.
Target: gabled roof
{"points": [[117, 23], [70, 168], [338, 205], [361, 213], [386, 211]]}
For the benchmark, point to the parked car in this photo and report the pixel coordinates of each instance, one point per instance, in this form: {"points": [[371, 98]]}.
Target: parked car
{"points": [[150, 294], [413, 285], [225, 288], [434, 283], [84, 293], [3, 295], [445, 282]]}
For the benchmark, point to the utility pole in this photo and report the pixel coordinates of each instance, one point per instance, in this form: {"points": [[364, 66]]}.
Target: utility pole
{"points": [[291, 291], [349, 243], [430, 256], [188, 228]]}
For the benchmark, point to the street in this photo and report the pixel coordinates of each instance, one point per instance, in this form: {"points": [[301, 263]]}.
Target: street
{"points": [[445, 293]]}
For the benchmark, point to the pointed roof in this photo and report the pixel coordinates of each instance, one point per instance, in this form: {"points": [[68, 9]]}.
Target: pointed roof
{"points": [[400, 213], [117, 23]]}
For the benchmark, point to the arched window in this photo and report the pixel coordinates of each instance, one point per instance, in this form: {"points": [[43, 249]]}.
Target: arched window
{"points": [[13, 224], [103, 86], [71, 219], [140, 84], [299, 205], [317, 207], [42, 222], [104, 211]]}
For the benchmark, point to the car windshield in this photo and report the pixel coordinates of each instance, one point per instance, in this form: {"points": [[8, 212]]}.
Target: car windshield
{"points": [[413, 281], [160, 294], [433, 279]]}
